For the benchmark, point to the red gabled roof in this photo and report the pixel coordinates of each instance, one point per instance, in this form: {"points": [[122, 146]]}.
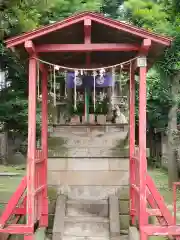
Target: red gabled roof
{"points": [[14, 41]]}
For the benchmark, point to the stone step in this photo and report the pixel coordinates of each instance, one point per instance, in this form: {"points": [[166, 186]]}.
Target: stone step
{"points": [[87, 208], [88, 133], [94, 192], [86, 226], [88, 178], [85, 164], [84, 238], [91, 128], [90, 152], [86, 219], [103, 140], [122, 237]]}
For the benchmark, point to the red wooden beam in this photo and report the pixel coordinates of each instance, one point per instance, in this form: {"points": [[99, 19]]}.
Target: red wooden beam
{"points": [[17, 229], [154, 212], [143, 217], [124, 47], [152, 230], [29, 46], [143, 51], [87, 37], [31, 141], [44, 142], [146, 44], [87, 31], [132, 141]]}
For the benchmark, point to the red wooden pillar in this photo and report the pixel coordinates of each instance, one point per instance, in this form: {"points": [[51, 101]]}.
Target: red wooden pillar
{"points": [[143, 217], [44, 142], [132, 142], [31, 142]]}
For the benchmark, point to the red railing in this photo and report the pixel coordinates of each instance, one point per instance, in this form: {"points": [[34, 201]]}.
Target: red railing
{"points": [[167, 223], [175, 184], [17, 204], [134, 184], [39, 185]]}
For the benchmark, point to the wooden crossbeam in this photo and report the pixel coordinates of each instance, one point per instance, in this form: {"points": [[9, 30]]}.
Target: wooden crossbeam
{"points": [[124, 47]]}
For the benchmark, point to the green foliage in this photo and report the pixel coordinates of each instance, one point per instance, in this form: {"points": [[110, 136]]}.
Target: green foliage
{"points": [[65, 8], [161, 16], [79, 110], [159, 100], [111, 7], [169, 65], [17, 17], [101, 108], [14, 97], [147, 14], [20, 16]]}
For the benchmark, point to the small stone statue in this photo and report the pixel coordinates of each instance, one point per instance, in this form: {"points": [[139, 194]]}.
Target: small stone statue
{"points": [[118, 116]]}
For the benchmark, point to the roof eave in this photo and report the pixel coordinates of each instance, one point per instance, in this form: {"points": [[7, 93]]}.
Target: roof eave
{"points": [[14, 41]]}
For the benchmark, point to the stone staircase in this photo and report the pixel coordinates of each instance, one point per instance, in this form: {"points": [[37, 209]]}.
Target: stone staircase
{"points": [[87, 219], [91, 178]]}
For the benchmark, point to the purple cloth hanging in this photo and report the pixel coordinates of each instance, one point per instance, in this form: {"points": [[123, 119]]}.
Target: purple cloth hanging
{"points": [[105, 81], [70, 81], [88, 81]]}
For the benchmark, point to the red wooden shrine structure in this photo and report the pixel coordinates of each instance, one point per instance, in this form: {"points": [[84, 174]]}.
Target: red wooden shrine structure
{"points": [[87, 39]]}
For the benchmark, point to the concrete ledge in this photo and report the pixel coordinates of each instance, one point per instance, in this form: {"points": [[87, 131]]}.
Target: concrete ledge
{"points": [[114, 216], [85, 164], [92, 152], [58, 228], [57, 164], [133, 233], [88, 178]]}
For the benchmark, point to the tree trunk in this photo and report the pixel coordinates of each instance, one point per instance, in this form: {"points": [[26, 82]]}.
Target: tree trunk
{"points": [[172, 130], [4, 148]]}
